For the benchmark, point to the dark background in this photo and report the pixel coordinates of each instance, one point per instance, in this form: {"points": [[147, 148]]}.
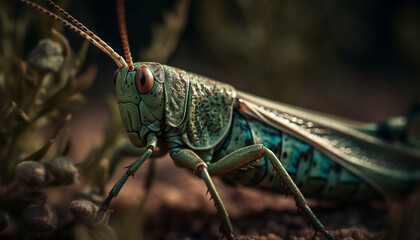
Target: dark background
{"points": [[357, 59]]}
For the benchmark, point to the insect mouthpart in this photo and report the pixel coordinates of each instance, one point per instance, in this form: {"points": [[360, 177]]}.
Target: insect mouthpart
{"points": [[130, 116], [136, 140], [136, 130]]}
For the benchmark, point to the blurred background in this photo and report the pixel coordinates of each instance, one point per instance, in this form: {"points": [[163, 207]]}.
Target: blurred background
{"points": [[355, 59]]}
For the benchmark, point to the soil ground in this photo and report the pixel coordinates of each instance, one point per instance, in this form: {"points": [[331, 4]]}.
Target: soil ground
{"points": [[178, 208]]}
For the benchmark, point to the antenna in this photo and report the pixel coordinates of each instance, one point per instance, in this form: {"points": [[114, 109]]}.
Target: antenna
{"points": [[81, 30], [123, 33]]}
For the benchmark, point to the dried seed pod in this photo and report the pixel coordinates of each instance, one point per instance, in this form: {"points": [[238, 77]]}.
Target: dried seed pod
{"points": [[4, 220], [39, 218], [84, 211], [31, 174], [64, 170], [47, 56]]}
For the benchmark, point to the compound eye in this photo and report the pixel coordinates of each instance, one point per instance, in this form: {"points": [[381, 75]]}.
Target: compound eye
{"points": [[144, 80], [114, 78]]}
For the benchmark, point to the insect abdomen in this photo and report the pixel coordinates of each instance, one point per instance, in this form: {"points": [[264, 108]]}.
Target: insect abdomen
{"points": [[315, 174]]}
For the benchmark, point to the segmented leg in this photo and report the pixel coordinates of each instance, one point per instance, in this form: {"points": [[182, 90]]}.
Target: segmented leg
{"points": [[130, 172], [248, 154], [151, 145], [128, 150], [226, 225], [189, 159]]}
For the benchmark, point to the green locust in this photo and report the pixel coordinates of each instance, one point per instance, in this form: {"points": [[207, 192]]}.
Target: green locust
{"points": [[215, 130]]}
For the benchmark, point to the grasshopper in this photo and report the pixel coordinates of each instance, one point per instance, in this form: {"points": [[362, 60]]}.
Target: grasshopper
{"points": [[212, 129]]}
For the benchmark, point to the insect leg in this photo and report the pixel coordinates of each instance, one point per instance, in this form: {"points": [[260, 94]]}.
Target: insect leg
{"points": [[124, 151], [151, 145], [299, 198], [191, 160], [130, 172], [251, 153], [129, 150]]}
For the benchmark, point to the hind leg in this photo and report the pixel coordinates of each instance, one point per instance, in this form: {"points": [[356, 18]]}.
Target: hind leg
{"points": [[248, 154], [240, 158]]}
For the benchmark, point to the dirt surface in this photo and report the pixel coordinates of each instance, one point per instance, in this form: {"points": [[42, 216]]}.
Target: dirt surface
{"points": [[178, 208]]}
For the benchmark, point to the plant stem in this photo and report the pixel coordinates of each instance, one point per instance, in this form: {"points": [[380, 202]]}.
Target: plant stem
{"points": [[36, 92]]}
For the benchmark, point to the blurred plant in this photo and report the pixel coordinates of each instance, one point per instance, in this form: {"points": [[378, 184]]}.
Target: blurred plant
{"points": [[166, 35], [283, 45], [33, 95], [34, 137], [267, 41]]}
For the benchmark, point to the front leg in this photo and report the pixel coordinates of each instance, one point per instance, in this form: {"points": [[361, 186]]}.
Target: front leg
{"points": [[191, 160], [151, 145]]}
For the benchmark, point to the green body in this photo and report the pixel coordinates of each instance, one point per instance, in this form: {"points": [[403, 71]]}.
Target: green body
{"points": [[189, 111], [214, 130]]}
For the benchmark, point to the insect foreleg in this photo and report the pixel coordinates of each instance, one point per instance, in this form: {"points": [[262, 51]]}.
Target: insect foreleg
{"points": [[189, 159], [151, 145], [130, 150], [251, 153]]}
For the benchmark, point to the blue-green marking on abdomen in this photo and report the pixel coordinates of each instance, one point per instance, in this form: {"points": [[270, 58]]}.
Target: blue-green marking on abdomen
{"points": [[313, 172]]}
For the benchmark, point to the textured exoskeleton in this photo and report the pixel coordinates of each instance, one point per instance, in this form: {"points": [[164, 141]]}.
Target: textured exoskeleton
{"points": [[212, 129]]}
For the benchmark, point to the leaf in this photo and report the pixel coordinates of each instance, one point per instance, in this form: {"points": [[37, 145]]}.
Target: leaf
{"points": [[11, 108], [166, 35], [36, 156], [64, 144], [85, 79], [19, 89], [81, 56], [62, 40], [54, 102], [74, 100], [62, 125], [22, 117]]}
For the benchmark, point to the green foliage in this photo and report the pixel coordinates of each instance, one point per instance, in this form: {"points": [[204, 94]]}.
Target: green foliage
{"points": [[34, 136], [35, 96]]}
